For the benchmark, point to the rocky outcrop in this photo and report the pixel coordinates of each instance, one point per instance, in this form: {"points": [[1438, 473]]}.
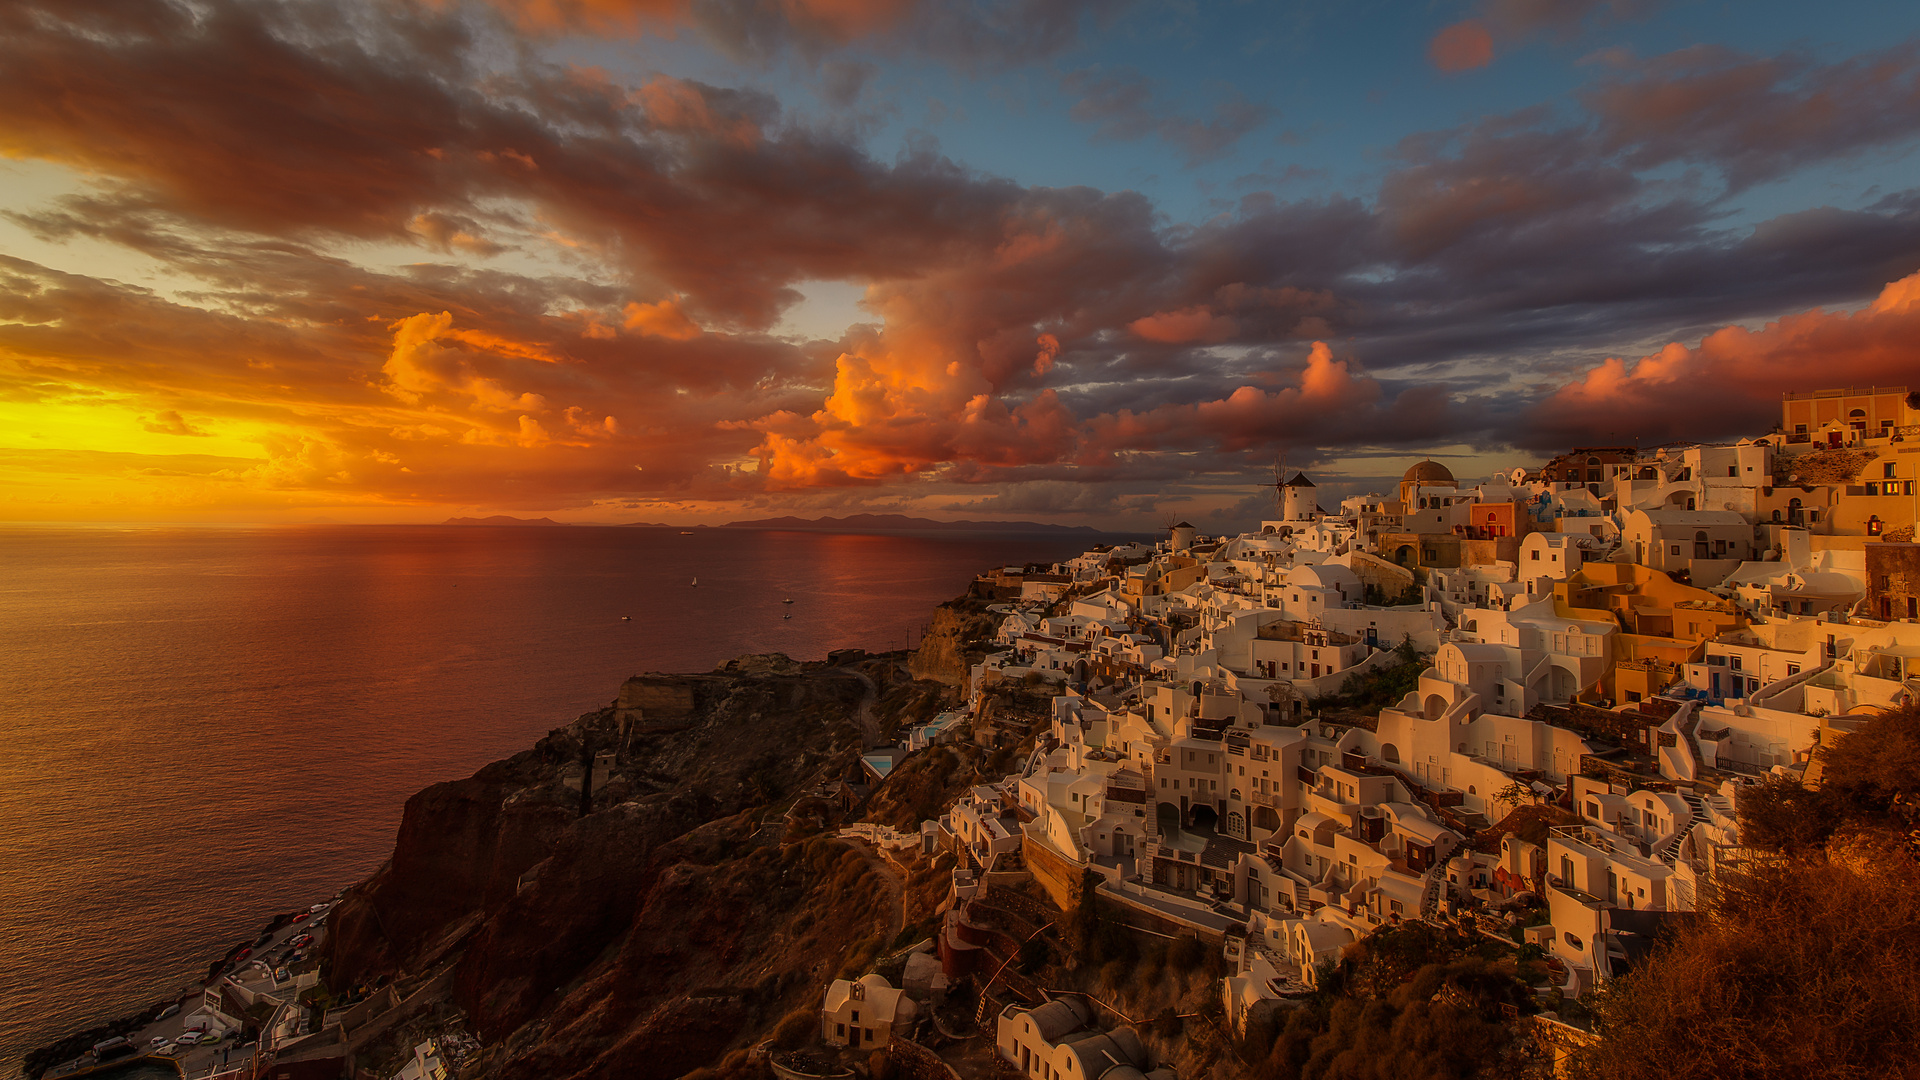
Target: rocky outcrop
{"points": [[643, 920], [730, 933], [954, 641]]}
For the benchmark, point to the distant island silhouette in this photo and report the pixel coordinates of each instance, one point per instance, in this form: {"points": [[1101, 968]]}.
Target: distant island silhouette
{"points": [[903, 523], [853, 523]]}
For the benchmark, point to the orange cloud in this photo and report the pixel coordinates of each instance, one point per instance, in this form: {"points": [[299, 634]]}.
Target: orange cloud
{"points": [[419, 367], [605, 15], [1461, 47], [662, 320], [838, 20], [1187, 325], [172, 423], [1731, 382], [683, 106]]}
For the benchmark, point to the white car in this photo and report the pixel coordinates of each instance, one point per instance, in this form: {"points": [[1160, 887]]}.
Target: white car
{"points": [[187, 1038]]}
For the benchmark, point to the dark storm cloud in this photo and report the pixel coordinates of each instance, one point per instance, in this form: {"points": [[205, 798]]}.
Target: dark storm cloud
{"points": [[1022, 335]]}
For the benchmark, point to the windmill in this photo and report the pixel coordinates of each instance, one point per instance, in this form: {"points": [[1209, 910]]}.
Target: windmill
{"points": [[1279, 484], [1292, 495]]}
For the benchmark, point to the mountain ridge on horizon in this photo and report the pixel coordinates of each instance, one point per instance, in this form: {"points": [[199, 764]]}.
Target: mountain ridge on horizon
{"points": [[850, 523], [904, 523]]}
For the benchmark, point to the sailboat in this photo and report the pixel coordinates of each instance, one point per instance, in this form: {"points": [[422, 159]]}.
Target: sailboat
{"points": [[696, 583]]}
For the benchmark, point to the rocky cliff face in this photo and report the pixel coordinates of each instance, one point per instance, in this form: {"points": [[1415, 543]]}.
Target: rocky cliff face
{"points": [[953, 642], [647, 923]]}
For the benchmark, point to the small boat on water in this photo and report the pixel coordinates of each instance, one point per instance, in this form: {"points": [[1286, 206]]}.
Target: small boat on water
{"points": [[786, 616], [626, 618], [696, 583], [787, 601]]}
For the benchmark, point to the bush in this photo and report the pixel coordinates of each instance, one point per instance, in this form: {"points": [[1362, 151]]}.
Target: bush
{"points": [[796, 1029], [1168, 1024], [1186, 954], [1034, 954], [1801, 968]]}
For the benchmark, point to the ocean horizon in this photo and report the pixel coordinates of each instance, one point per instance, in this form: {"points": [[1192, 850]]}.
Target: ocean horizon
{"points": [[215, 724]]}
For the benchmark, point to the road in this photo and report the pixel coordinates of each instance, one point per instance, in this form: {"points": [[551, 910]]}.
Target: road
{"points": [[869, 727], [202, 1061]]}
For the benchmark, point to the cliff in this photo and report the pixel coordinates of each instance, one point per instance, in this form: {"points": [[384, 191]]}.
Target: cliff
{"points": [[647, 925], [954, 641]]}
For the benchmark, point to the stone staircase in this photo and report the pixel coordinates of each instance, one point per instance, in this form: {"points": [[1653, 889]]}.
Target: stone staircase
{"points": [[1689, 729], [1669, 852], [1430, 895]]}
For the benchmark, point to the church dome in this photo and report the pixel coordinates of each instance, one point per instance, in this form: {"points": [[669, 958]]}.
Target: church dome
{"points": [[1428, 472]]}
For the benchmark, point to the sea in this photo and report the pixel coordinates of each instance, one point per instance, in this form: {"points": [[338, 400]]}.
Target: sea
{"points": [[206, 726]]}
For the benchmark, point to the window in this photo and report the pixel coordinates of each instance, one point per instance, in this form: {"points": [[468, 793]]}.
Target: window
{"points": [[1886, 471], [1676, 549], [1536, 556], [1575, 942]]}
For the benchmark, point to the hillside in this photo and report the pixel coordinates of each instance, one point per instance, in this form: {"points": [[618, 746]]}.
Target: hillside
{"points": [[657, 923]]}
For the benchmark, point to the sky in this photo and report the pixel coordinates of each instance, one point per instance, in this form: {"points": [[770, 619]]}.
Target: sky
{"points": [[1098, 263]]}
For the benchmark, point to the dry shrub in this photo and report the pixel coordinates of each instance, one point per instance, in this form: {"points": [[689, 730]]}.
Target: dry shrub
{"points": [[1804, 968], [796, 1028]]}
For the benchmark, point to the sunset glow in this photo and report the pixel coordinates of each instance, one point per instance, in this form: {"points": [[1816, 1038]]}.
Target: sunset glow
{"points": [[396, 261]]}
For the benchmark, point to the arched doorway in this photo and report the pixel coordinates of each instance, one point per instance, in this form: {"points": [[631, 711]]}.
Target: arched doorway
{"points": [[1389, 753], [1167, 816], [1434, 706], [1203, 817]]}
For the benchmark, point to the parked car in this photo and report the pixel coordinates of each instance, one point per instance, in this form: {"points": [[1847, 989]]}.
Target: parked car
{"points": [[187, 1038], [168, 1012], [303, 917]]}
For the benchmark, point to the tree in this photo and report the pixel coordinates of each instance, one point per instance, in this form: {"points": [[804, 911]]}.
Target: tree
{"points": [[1803, 965], [1867, 777], [1514, 794], [1802, 968]]}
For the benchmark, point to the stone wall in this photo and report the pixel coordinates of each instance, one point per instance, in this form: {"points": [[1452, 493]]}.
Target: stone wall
{"points": [[916, 1062], [1893, 579], [652, 698], [1058, 876]]}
